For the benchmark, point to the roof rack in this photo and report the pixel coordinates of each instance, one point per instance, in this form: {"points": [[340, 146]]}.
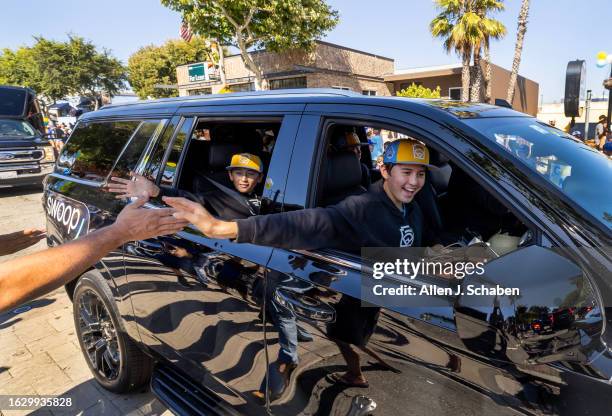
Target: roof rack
{"points": [[269, 93]]}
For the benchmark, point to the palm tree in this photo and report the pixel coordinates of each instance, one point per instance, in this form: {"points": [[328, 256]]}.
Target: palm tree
{"points": [[520, 36], [458, 25], [490, 29]]}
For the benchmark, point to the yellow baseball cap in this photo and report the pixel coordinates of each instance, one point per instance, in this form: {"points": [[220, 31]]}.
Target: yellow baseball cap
{"points": [[407, 152], [246, 161]]}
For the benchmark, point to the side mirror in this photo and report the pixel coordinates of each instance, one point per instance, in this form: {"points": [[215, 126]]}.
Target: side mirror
{"points": [[551, 317]]}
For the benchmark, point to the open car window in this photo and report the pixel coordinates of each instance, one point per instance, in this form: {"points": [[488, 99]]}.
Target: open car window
{"points": [[210, 149], [458, 211]]}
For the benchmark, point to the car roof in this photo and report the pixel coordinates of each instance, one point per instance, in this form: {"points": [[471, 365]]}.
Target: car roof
{"points": [[17, 87], [426, 107]]}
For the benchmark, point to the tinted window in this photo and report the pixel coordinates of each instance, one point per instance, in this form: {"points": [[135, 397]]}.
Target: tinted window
{"points": [[580, 172], [155, 162], [131, 155], [12, 102], [175, 153], [93, 148]]}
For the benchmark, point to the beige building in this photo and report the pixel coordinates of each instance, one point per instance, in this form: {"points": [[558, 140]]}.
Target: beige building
{"points": [[448, 78], [327, 66], [554, 113]]}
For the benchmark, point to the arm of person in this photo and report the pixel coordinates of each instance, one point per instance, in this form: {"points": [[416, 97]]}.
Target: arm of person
{"points": [[305, 229], [31, 276], [14, 242]]}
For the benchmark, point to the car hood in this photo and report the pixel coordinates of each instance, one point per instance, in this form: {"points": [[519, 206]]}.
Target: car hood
{"points": [[16, 141]]}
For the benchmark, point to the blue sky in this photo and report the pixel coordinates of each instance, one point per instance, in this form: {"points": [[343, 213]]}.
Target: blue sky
{"points": [[558, 31]]}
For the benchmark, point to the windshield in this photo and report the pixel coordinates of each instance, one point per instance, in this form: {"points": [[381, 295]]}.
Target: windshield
{"points": [[15, 128], [12, 101], [580, 172]]}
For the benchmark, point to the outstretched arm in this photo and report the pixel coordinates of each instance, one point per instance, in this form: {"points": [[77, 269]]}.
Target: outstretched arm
{"points": [[199, 216], [305, 229], [31, 276]]}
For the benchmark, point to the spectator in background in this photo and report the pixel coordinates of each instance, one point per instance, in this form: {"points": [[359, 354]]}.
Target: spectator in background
{"points": [[59, 132], [601, 132], [377, 149]]}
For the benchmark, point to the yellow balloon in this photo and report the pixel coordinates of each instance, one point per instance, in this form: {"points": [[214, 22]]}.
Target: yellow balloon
{"points": [[601, 55]]}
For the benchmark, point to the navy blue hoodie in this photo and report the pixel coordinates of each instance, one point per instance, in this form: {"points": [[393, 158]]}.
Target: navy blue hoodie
{"points": [[367, 220]]}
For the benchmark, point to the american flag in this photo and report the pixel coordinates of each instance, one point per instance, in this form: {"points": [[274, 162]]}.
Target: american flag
{"points": [[185, 31]]}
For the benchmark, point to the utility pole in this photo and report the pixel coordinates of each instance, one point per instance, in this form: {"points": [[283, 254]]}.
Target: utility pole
{"points": [[587, 107]]}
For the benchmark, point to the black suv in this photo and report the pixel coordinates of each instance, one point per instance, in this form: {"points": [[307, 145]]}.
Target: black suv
{"points": [[26, 156], [218, 327]]}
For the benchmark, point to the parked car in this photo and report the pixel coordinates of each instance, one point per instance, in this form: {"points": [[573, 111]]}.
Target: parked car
{"points": [[204, 321], [26, 156]]}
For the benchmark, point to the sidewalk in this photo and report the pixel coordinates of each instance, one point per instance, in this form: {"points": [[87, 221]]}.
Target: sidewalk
{"points": [[39, 351], [40, 355]]}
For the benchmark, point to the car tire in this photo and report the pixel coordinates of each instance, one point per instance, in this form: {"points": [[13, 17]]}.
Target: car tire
{"points": [[114, 359]]}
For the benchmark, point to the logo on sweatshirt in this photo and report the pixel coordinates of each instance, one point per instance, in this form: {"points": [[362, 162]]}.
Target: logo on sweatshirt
{"points": [[407, 236]]}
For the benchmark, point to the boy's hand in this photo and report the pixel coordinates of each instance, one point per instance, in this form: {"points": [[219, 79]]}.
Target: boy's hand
{"points": [[201, 218]]}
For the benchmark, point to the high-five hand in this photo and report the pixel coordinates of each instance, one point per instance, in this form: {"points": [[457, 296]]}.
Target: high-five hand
{"points": [[201, 218], [136, 187], [137, 223]]}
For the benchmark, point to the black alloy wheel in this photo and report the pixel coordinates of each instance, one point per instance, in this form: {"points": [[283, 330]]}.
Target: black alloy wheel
{"points": [[98, 335], [115, 360]]}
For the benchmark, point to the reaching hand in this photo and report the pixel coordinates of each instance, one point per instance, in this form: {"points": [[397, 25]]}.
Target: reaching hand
{"points": [[137, 187], [201, 218], [136, 223], [14, 242]]}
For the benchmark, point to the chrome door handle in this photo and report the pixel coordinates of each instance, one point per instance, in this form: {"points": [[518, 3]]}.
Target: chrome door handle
{"points": [[305, 306]]}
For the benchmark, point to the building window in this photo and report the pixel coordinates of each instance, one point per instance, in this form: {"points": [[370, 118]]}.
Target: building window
{"points": [[249, 86], [279, 84], [200, 91], [368, 92], [339, 87], [455, 93]]}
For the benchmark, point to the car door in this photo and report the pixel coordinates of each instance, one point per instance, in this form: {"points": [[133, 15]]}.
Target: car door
{"points": [[74, 201], [417, 358], [197, 300]]}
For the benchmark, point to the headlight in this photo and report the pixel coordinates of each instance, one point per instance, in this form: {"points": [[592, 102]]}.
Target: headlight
{"points": [[49, 154]]}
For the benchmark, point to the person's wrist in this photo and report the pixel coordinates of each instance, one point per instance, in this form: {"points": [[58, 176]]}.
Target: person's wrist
{"points": [[116, 234]]}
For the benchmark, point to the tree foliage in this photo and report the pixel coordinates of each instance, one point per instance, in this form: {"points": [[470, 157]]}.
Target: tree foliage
{"points": [[156, 65], [419, 91], [464, 27], [57, 69], [274, 25]]}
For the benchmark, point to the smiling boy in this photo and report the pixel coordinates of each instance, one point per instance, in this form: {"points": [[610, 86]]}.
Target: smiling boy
{"points": [[385, 216]]}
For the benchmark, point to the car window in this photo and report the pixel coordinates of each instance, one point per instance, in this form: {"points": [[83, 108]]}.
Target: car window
{"points": [[154, 163], [580, 172], [133, 151], [93, 148], [15, 128], [12, 101], [169, 172], [450, 218], [247, 146]]}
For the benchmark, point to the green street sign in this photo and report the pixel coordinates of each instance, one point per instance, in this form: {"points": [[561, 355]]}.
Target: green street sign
{"points": [[197, 72]]}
